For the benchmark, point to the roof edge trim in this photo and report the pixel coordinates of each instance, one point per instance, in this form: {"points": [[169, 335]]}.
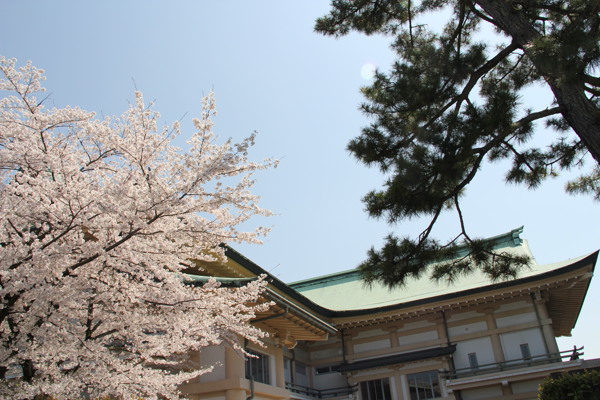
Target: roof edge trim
{"points": [[398, 358], [590, 259], [511, 238], [329, 313]]}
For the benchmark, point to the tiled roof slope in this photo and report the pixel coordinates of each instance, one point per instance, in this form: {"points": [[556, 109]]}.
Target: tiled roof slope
{"points": [[345, 291]]}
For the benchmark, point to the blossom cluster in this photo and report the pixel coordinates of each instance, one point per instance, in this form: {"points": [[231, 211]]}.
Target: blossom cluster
{"points": [[98, 220]]}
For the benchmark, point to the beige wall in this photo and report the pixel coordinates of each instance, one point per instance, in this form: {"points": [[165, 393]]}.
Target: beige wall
{"points": [[494, 332]]}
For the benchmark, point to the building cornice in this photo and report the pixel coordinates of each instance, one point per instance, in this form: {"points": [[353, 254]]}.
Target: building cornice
{"points": [[417, 308]]}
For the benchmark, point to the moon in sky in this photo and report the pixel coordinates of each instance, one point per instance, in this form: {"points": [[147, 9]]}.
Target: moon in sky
{"points": [[368, 71]]}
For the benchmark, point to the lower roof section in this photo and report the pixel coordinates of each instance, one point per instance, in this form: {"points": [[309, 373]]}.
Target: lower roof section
{"points": [[398, 359], [341, 300]]}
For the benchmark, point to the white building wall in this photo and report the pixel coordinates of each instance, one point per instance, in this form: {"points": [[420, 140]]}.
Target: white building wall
{"points": [[372, 345], [511, 342], [330, 380], [480, 346], [482, 393], [459, 316], [418, 337], [525, 387], [416, 325], [369, 333], [213, 356], [473, 327], [515, 305], [516, 319], [326, 353]]}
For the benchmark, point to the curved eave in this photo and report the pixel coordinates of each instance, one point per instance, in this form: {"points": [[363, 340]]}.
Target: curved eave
{"points": [[302, 316], [565, 303], [288, 324], [297, 323], [278, 286], [569, 284]]}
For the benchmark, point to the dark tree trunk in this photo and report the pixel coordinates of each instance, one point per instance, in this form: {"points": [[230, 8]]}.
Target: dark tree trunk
{"points": [[582, 114]]}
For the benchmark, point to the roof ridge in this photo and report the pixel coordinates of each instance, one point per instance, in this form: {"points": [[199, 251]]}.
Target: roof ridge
{"points": [[511, 238]]}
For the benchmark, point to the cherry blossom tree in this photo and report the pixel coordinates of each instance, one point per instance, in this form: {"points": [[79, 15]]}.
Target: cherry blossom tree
{"points": [[99, 220]]}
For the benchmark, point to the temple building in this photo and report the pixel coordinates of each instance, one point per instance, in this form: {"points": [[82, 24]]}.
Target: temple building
{"points": [[332, 337]]}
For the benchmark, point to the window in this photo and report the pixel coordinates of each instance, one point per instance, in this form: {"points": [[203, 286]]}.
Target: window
{"points": [[525, 352], [301, 374], [257, 367], [473, 363], [378, 389], [287, 369], [329, 369], [296, 372], [424, 385]]}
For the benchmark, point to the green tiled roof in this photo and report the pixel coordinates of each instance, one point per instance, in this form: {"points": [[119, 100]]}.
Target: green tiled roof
{"points": [[344, 294], [345, 291]]}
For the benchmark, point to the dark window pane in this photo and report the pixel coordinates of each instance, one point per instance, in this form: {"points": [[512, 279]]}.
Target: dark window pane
{"points": [[257, 367], [424, 385], [378, 389], [525, 352], [473, 363]]}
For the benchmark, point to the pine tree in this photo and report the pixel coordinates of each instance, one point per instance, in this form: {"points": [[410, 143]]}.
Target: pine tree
{"points": [[453, 99]]}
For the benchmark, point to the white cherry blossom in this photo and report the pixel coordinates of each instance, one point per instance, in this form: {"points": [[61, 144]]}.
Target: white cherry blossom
{"points": [[99, 218]]}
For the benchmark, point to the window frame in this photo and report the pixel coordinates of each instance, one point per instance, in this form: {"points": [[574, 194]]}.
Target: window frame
{"points": [[473, 361], [369, 389], [326, 369], [258, 368], [525, 351], [433, 392]]}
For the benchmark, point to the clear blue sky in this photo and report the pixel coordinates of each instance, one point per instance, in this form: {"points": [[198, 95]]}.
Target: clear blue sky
{"points": [[271, 73]]}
